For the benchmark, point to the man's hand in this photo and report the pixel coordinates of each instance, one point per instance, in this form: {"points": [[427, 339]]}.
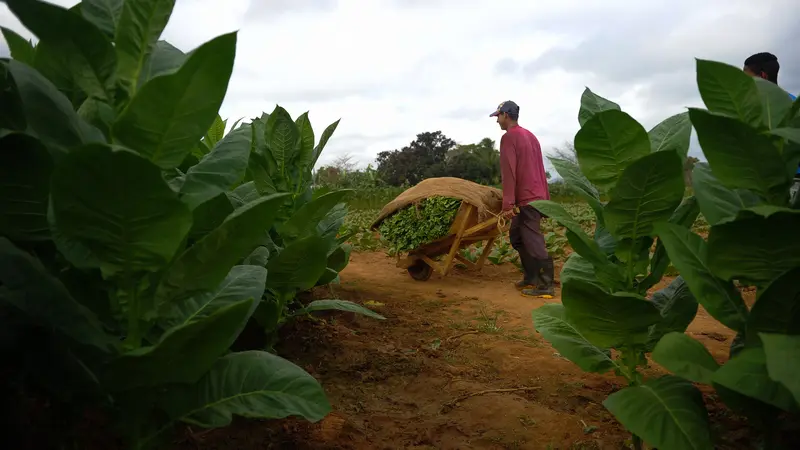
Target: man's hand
{"points": [[508, 213]]}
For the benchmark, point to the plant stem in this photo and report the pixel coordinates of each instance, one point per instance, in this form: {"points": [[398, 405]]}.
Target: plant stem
{"points": [[637, 443]]}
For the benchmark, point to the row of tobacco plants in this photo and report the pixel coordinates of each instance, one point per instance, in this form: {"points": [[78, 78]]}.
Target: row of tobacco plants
{"points": [[750, 135], [138, 239]]}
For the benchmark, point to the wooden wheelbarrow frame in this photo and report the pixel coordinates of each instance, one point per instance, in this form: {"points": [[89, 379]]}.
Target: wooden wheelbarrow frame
{"points": [[465, 231]]}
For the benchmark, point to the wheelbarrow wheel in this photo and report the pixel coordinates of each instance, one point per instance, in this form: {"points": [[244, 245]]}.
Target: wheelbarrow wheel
{"points": [[420, 270]]}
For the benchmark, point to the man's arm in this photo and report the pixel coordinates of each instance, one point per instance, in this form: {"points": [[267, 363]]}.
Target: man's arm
{"points": [[508, 171]]}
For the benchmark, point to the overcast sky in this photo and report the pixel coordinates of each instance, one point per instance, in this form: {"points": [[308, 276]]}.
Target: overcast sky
{"points": [[393, 68]]}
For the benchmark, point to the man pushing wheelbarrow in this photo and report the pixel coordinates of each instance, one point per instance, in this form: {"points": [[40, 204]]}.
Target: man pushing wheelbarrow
{"points": [[523, 181]]}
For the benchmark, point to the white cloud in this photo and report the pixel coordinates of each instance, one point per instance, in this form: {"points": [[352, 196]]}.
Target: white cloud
{"points": [[393, 68]]}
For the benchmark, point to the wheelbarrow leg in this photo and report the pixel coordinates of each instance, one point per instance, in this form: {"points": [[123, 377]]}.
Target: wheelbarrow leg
{"points": [[487, 250], [448, 262]]}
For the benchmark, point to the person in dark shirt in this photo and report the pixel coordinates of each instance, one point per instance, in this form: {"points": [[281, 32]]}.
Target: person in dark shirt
{"points": [[765, 65], [524, 180]]}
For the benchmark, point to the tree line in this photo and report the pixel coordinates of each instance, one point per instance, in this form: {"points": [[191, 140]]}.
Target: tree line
{"points": [[432, 154]]}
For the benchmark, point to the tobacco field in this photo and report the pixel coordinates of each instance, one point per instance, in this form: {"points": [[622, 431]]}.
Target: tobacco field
{"points": [[170, 280]]}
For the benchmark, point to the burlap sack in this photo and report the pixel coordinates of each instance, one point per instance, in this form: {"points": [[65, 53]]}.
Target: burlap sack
{"points": [[486, 199]]}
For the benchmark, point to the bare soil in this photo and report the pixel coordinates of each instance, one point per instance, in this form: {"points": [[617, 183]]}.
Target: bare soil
{"points": [[455, 365]]}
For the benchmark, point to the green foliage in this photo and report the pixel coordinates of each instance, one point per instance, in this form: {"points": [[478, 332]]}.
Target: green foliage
{"points": [[420, 223], [424, 157], [743, 190], [138, 239], [435, 155]]}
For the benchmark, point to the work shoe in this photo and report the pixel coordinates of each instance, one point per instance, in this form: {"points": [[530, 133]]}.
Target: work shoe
{"points": [[530, 271], [538, 292]]}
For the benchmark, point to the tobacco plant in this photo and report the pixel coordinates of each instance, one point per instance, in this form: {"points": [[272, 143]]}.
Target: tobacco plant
{"points": [[606, 280], [131, 254], [303, 249], [750, 137]]}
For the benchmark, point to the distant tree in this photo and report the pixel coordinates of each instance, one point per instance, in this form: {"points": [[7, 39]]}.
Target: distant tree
{"points": [[344, 163], [424, 157], [478, 162]]}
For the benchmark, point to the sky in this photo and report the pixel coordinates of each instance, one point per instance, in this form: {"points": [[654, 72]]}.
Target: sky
{"points": [[390, 69]]}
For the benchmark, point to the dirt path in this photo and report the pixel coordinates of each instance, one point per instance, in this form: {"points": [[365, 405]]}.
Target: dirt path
{"points": [[393, 383]]}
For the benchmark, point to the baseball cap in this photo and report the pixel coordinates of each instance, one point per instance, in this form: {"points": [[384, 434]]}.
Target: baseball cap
{"points": [[506, 107]]}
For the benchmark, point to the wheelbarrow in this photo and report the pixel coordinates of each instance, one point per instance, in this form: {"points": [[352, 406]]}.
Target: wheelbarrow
{"points": [[465, 231]]}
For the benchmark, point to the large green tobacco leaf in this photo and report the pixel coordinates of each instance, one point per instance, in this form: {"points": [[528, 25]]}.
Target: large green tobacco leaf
{"points": [[777, 309], [26, 285], [718, 203], [205, 264], [584, 245], [258, 172], [281, 135], [219, 170], [170, 113], [250, 384], [570, 343], [571, 173], [672, 135], [578, 267], [140, 26], [685, 216], [792, 119], [258, 257], [304, 153], [88, 54], [48, 113], [776, 103], [299, 265], [608, 320], [685, 357], [668, 413], [677, 307], [183, 355], [741, 157], [104, 14], [337, 261], [323, 140], [165, 58], [21, 49], [210, 214], [605, 275], [338, 305], [25, 169], [304, 221], [648, 191], [690, 255], [117, 205], [783, 360], [215, 134], [729, 91], [592, 104], [244, 194], [98, 113], [607, 143], [742, 250], [12, 114], [747, 374], [330, 225], [241, 283]]}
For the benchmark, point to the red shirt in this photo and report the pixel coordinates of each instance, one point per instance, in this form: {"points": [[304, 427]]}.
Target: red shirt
{"points": [[522, 168]]}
